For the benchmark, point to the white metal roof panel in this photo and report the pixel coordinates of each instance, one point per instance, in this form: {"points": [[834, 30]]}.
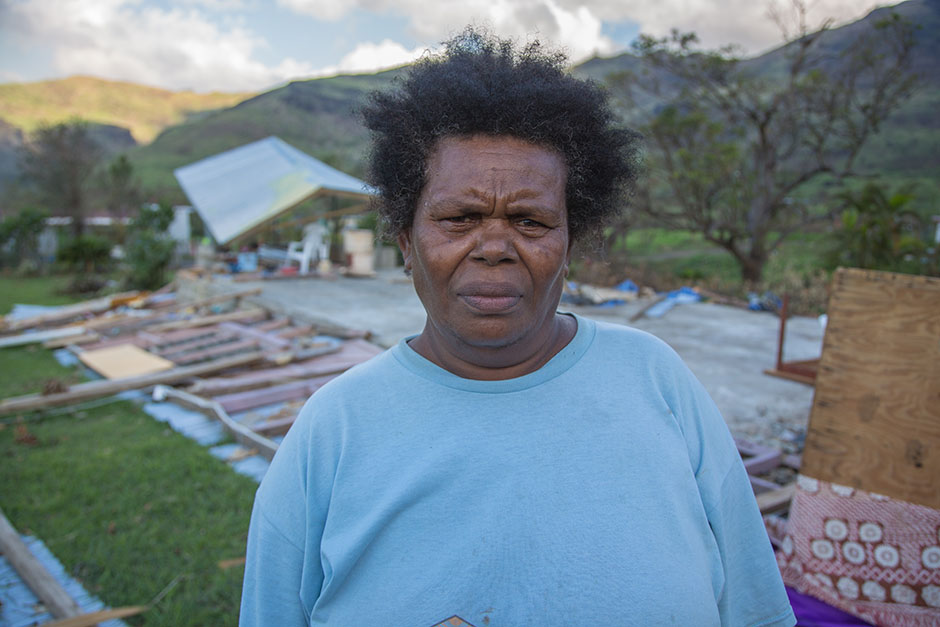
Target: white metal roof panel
{"points": [[239, 189]]}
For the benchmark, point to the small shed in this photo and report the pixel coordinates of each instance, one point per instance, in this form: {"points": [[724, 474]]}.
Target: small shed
{"points": [[240, 190]]}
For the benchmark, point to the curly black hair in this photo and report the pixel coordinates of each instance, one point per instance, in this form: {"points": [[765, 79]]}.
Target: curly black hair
{"points": [[481, 84]]}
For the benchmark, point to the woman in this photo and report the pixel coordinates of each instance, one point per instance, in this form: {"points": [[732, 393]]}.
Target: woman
{"points": [[510, 465]]}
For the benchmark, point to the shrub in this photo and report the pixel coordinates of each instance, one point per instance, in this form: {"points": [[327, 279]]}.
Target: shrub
{"points": [[86, 253], [19, 238], [879, 232], [149, 249]]}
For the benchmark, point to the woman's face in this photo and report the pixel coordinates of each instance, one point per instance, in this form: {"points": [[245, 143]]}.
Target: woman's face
{"points": [[489, 246]]}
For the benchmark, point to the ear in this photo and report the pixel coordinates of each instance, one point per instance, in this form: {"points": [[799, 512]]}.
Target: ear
{"points": [[568, 256], [404, 244]]}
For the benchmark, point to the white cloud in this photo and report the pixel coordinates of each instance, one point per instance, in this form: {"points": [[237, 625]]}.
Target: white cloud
{"points": [[176, 48], [746, 23], [328, 10], [209, 45], [575, 25], [370, 56], [575, 28]]}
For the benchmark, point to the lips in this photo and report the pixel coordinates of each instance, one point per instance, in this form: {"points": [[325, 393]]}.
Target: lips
{"points": [[490, 298]]}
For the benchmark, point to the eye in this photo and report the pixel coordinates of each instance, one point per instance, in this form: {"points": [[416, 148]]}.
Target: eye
{"points": [[462, 219], [530, 223], [531, 227]]}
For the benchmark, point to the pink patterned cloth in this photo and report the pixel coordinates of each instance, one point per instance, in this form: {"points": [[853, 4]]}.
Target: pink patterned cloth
{"points": [[869, 555]]}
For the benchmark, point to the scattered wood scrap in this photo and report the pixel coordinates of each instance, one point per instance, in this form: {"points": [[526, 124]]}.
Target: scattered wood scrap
{"points": [[49, 591], [801, 371], [772, 474], [234, 361]]}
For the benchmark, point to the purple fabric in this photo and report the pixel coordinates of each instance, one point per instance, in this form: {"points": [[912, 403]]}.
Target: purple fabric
{"points": [[811, 612]]}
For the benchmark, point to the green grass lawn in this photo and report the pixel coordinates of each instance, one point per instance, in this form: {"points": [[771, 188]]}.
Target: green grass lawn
{"points": [[34, 291], [127, 505]]}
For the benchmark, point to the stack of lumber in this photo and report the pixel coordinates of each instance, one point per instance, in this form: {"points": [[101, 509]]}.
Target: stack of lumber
{"points": [[222, 357]]}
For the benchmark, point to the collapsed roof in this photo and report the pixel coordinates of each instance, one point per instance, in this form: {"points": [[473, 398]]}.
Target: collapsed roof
{"points": [[238, 190]]}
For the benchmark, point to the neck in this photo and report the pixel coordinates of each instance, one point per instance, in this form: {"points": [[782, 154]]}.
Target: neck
{"points": [[488, 363]]}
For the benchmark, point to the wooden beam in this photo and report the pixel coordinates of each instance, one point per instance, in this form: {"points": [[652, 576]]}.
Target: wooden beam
{"points": [[30, 570], [242, 434], [776, 500], [244, 315], [791, 376], [217, 298], [330, 361], [93, 618], [295, 390], [84, 338], [63, 314], [97, 389], [40, 336]]}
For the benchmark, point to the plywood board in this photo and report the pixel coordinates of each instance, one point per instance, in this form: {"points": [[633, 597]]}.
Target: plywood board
{"points": [[875, 421], [124, 360]]}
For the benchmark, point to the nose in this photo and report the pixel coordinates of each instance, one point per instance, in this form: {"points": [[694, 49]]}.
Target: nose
{"points": [[494, 243]]}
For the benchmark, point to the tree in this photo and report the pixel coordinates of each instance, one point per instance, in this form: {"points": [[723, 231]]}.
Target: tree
{"points": [[149, 248], [878, 231], [122, 188], [19, 237], [732, 147], [59, 163]]}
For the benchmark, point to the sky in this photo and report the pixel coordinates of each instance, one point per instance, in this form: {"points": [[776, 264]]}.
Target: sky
{"points": [[254, 45]]}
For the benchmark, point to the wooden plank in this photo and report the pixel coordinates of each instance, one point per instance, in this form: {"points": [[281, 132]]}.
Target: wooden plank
{"points": [[295, 390], [292, 332], [125, 360], [758, 459], [875, 420], [31, 571], [244, 315], [35, 337], [69, 312], [349, 354], [242, 434], [273, 325], [97, 389], [93, 618], [217, 351], [776, 500], [216, 299], [279, 426], [268, 339], [195, 344], [84, 338], [791, 376]]}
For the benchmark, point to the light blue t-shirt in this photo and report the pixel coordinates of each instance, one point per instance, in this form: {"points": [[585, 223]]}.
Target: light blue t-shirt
{"points": [[602, 489]]}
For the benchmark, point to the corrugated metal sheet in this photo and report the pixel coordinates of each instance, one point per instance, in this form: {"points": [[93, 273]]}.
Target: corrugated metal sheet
{"points": [[240, 189]]}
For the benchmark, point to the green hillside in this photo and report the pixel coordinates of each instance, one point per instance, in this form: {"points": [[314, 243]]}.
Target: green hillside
{"points": [[144, 111], [316, 116]]}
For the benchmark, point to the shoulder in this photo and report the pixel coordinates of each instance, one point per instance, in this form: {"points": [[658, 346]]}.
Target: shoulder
{"points": [[632, 348]]}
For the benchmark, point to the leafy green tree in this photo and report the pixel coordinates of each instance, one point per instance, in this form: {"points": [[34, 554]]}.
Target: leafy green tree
{"points": [[878, 231], [122, 188], [86, 253], [59, 163], [732, 148], [19, 237], [149, 250]]}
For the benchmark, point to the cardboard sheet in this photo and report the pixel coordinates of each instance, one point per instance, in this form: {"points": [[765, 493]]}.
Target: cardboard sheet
{"points": [[124, 360]]}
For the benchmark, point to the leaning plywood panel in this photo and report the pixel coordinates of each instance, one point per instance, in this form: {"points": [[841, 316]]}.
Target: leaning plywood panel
{"points": [[875, 421], [124, 360]]}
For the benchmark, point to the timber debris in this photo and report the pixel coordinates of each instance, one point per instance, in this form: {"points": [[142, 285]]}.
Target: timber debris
{"points": [[214, 353]]}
